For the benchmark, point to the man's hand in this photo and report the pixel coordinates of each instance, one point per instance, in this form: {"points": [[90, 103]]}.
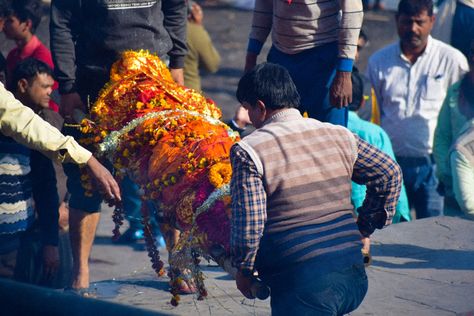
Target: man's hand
{"points": [[340, 94], [244, 284], [241, 117], [367, 223], [104, 178], [365, 245], [250, 61], [50, 261], [70, 102], [178, 75]]}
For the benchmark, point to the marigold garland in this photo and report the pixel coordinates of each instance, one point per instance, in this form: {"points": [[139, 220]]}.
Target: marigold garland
{"points": [[170, 141]]}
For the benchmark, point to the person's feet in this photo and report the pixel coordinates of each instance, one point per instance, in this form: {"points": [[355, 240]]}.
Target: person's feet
{"points": [[83, 292], [81, 279]]}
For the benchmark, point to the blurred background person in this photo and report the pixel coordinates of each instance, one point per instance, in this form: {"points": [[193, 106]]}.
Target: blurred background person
{"points": [[451, 122], [462, 154], [316, 42], [202, 55], [455, 23], [376, 136], [410, 78], [28, 200], [20, 26], [34, 85]]}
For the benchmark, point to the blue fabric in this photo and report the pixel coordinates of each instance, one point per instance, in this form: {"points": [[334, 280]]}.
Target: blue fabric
{"points": [[345, 64], [254, 46], [463, 28], [313, 241], [32, 177], [310, 293], [132, 203], [376, 136], [419, 176], [313, 71], [14, 189], [19, 226]]}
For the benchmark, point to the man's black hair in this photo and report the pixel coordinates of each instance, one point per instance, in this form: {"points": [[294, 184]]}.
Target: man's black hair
{"points": [[5, 8], [28, 10], [415, 7], [357, 91], [28, 69], [271, 84]]}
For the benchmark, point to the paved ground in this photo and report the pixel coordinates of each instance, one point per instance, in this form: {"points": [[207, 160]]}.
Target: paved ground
{"points": [[420, 268]]}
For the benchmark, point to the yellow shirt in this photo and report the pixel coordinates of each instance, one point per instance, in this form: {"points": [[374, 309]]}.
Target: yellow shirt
{"points": [[24, 126]]}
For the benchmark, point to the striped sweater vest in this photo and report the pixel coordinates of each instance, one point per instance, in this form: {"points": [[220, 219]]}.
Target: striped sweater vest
{"points": [[306, 167], [16, 200], [305, 24]]}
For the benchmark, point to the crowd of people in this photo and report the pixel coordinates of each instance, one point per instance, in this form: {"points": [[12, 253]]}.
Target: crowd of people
{"points": [[336, 153]]}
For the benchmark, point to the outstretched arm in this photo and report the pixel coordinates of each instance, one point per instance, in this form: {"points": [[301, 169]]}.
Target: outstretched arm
{"points": [[27, 128]]}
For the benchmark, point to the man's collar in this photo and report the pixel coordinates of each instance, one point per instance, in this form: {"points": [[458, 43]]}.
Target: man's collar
{"points": [[428, 48], [283, 115], [32, 44]]}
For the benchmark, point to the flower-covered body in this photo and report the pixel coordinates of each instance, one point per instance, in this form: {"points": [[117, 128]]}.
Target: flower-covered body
{"points": [[170, 141]]}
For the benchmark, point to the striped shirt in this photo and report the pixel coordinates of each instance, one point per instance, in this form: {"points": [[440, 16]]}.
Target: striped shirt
{"points": [[325, 225], [299, 25], [27, 185]]}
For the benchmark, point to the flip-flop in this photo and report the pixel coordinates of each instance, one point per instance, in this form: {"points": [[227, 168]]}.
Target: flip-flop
{"points": [[84, 292]]}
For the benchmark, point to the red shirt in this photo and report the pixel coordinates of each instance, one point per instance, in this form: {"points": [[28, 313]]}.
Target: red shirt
{"points": [[35, 49]]}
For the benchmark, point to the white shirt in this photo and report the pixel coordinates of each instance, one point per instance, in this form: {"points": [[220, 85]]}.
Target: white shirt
{"points": [[469, 3], [410, 96]]}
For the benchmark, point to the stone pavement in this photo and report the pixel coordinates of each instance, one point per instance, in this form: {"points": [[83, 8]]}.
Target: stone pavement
{"points": [[425, 267]]}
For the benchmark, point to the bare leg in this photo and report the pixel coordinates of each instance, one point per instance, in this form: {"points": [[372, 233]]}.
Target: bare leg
{"points": [[170, 234], [82, 227]]}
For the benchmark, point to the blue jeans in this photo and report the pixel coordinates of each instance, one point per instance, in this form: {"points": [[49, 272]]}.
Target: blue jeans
{"points": [[313, 71], [132, 203], [314, 293], [463, 28], [421, 185]]}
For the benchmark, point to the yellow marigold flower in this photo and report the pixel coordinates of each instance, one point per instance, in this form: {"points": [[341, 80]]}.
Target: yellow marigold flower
{"points": [[220, 174]]}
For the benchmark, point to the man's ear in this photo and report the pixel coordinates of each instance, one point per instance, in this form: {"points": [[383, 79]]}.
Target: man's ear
{"points": [[29, 24], [22, 85], [261, 106]]}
